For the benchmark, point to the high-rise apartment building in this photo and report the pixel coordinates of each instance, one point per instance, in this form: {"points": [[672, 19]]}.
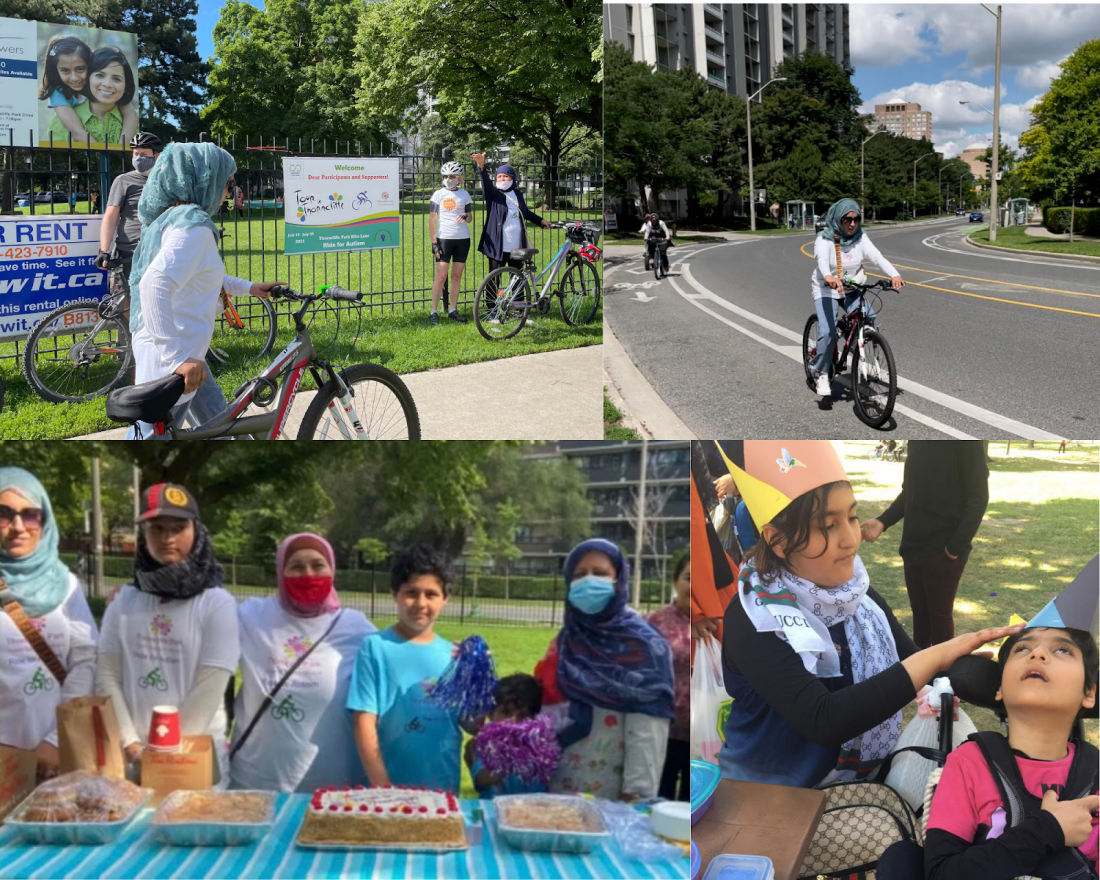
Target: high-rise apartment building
{"points": [[904, 120], [733, 46]]}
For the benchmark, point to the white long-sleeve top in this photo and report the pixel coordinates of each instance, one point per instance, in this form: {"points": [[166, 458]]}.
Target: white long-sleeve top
{"points": [[180, 303], [851, 257], [647, 228]]}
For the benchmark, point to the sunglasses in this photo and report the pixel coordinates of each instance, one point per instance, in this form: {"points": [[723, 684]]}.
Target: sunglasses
{"points": [[850, 219], [32, 517]]}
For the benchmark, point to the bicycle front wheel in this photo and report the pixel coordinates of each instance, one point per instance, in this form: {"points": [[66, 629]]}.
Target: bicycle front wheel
{"points": [[809, 350], [244, 331], [501, 303], [580, 294], [383, 404], [73, 354], [874, 381]]}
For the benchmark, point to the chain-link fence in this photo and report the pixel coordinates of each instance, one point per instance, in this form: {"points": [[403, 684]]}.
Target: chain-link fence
{"points": [[65, 179], [498, 598]]}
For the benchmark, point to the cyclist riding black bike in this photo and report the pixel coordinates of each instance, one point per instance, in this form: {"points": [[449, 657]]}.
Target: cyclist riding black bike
{"points": [[657, 239]]}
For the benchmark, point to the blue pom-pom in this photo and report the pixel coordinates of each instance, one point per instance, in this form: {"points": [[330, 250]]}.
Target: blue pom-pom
{"points": [[468, 684]]}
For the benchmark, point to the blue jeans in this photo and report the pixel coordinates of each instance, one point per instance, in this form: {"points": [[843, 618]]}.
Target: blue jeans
{"points": [[208, 401], [826, 327]]}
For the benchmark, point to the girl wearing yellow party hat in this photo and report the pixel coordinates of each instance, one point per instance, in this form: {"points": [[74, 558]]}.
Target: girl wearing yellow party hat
{"points": [[818, 666]]}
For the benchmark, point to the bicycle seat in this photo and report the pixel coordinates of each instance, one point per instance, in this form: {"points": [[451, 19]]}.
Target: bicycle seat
{"points": [[148, 402], [523, 253]]}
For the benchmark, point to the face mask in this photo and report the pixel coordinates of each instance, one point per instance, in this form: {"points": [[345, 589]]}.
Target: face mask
{"points": [[506, 187], [144, 164], [450, 184], [308, 589], [592, 593]]}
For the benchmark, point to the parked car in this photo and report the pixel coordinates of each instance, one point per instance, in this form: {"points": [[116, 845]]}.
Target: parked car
{"points": [[975, 216], [960, 212], [819, 225]]}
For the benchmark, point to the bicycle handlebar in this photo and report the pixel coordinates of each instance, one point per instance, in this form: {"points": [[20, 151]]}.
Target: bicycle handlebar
{"points": [[333, 291], [342, 293], [882, 284]]}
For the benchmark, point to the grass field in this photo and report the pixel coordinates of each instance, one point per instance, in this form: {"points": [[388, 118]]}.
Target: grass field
{"points": [[1039, 531], [1016, 238], [397, 336]]}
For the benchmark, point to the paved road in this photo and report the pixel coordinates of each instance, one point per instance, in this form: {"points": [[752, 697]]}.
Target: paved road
{"points": [[986, 344]]}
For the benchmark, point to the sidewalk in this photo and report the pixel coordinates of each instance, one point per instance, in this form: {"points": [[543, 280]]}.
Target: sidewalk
{"points": [[1038, 230], [552, 395]]}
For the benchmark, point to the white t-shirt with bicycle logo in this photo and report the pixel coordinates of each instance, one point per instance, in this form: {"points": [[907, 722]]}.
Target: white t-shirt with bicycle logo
{"points": [[29, 693], [162, 644], [450, 204], [305, 739]]}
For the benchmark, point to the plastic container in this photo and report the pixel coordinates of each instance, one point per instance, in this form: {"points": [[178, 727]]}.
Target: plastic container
{"points": [[694, 861], [704, 780], [211, 833], [72, 833], [544, 839], [730, 867]]}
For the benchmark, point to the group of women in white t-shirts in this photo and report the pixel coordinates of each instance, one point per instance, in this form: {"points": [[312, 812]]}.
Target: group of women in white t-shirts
{"points": [[175, 636]]}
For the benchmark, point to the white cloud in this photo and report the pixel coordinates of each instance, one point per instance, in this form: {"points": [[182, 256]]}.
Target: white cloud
{"points": [[887, 36], [1037, 77]]}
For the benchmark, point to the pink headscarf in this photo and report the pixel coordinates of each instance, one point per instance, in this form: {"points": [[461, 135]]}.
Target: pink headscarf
{"points": [[285, 550]]}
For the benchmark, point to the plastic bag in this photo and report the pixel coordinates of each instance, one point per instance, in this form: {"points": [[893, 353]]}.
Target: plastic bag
{"points": [[709, 702], [633, 831], [909, 772], [82, 796]]}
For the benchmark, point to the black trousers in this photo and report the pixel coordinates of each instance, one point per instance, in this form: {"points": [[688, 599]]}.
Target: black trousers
{"points": [[901, 861], [676, 777]]}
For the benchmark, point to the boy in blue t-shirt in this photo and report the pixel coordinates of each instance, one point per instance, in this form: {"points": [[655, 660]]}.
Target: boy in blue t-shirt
{"points": [[518, 697], [404, 739]]}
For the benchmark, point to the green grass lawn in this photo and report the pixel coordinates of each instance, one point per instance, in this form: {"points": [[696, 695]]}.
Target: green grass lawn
{"points": [[613, 428], [1016, 238], [396, 336], [1039, 531]]}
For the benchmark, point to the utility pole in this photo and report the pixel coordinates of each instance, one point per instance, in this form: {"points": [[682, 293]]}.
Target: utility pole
{"points": [[639, 532], [748, 127], [97, 528], [994, 207], [137, 495]]}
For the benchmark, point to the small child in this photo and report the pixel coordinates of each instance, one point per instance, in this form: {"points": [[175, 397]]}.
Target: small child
{"points": [[64, 76], [403, 738], [1035, 815], [513, 729]]}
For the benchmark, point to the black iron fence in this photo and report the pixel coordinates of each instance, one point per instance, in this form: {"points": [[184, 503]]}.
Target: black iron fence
{"points": [[499, 598], [63, 179]]}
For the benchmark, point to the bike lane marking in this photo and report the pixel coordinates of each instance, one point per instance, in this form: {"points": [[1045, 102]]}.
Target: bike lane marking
{"points": [[962, 407]]}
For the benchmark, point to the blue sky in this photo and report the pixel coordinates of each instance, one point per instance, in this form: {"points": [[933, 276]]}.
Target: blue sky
{"points": [[206, 19], [940, 54]]}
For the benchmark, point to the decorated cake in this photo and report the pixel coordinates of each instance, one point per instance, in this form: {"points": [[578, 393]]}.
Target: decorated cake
{"points": [[388, 816]]}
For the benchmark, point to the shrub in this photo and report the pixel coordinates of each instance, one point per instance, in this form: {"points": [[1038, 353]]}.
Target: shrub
{"points": [[1086, 221]]}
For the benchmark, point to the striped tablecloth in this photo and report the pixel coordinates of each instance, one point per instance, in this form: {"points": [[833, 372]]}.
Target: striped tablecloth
{"points": [[136, 854]]}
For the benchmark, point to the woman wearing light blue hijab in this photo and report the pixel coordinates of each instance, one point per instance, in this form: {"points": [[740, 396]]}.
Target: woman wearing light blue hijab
{"points": [[844, 224], [40, 592], [178, 274]]}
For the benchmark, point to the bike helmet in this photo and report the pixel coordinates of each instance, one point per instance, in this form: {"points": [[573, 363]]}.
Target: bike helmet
{"points": [[450, 168], [145, 139], [654, 216], [591, 253]]}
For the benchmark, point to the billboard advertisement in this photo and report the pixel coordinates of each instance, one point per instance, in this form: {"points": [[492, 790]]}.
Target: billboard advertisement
{"points": [[58, 80], [341, 204], [47, 262]]}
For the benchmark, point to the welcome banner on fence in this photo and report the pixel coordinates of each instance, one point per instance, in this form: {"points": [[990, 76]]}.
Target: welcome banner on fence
{"points": [[341, 204], [46, 263]]}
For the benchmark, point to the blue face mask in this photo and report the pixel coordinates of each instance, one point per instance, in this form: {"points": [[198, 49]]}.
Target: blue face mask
{"points": [[592, 593]]}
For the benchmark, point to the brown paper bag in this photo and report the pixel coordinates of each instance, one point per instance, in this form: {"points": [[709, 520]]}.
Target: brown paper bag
{"points": [[17, 777], [88, 737], [190, 769]]}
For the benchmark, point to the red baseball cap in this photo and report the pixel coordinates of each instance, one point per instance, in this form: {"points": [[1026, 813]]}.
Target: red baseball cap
{"points": [[167, 499]]}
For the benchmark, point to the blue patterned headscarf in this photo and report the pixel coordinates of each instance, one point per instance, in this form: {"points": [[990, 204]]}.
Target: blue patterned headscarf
{"points": [[195, 174], [39, 581], [833, 225], [613, 659]]}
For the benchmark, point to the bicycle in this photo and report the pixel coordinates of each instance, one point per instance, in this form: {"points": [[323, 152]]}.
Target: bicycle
{"points": [[874, 378], [153, 680], [38, 682], [510, 288], [102, 357], [361, 402], [659, 260], [287, 709]]}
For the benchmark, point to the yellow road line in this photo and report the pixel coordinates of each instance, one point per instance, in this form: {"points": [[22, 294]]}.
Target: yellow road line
{"points": [[991, 298], [1004, 283]]}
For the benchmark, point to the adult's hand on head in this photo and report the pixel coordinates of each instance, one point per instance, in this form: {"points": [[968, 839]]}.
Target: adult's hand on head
{"points": [[194, 374], [725, 485], [479, 158], [262, 289], [967, 643], [1074, 816], [871, 530]]}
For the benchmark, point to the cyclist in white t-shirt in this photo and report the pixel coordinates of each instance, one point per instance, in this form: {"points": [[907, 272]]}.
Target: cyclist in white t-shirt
{"points": [[449, 227]]}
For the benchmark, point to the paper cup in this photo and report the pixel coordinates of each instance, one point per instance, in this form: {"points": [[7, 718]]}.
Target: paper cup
{"points": [[164, 729]]}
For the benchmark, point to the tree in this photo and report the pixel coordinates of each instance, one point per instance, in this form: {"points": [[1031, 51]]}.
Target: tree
{"points": [[798, 176], [840, 179], [288, 69], [231, 540], [530, 70]]}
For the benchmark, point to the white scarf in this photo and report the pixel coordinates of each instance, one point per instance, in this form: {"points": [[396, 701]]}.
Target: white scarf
{"points": [[800, 613]]}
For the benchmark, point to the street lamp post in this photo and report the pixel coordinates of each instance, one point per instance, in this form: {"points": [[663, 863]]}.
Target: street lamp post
{"points": [[748, 127], [925, 156], [993, 204], [994, 143], [961, 176], [862, 207]]}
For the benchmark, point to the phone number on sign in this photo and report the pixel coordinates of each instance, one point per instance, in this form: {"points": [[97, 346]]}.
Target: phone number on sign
{"points": [[41, 251]]}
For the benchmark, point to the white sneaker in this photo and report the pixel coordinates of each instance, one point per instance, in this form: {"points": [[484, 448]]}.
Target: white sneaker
{"points": [[824, 386]]}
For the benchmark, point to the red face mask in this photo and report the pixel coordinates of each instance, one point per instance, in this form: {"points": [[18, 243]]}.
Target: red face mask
{"points": [[308, 589]]}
